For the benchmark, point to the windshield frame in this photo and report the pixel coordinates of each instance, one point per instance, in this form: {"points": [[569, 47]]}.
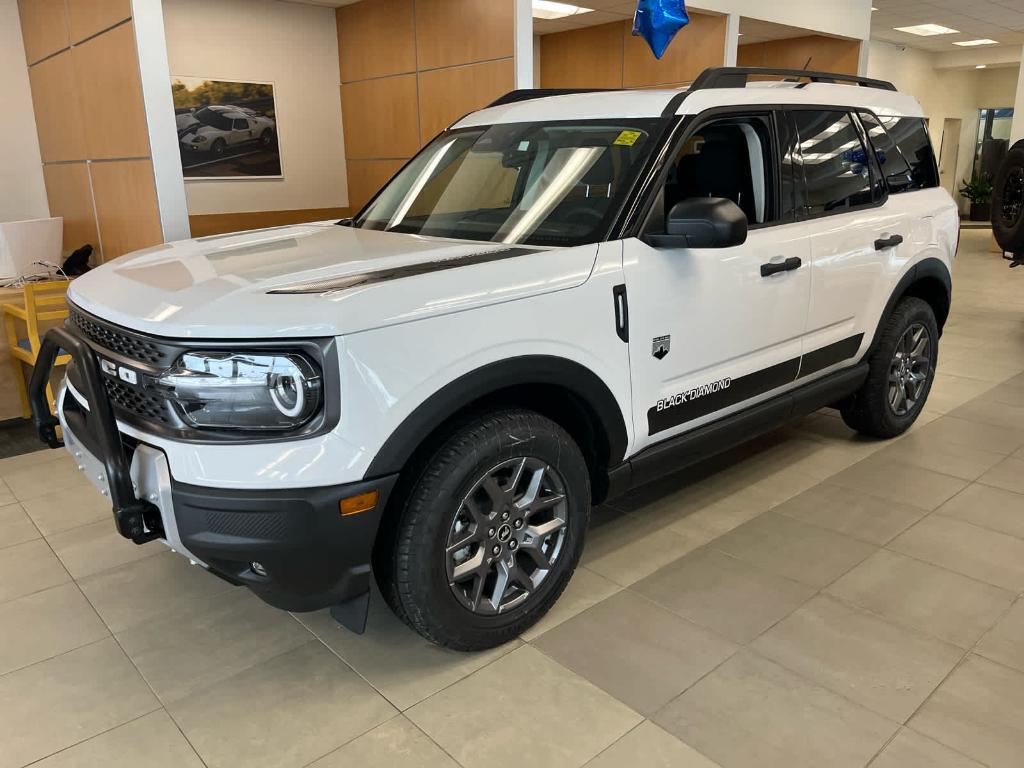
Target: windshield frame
{"points": [[658, 128]]}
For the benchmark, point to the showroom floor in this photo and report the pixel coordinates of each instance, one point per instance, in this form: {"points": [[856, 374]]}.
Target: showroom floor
{"points": [[814, 599]]}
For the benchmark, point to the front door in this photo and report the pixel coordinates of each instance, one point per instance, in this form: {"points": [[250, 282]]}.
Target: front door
{"points": [[710, 332]]}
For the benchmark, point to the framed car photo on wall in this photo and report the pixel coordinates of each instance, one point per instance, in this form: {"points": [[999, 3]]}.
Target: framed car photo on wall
{"points": [[227, 129]]}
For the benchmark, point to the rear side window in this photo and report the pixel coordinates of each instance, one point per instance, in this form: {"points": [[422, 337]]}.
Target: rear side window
{"points": [[911, 136], [897, 172], [837, 171]]}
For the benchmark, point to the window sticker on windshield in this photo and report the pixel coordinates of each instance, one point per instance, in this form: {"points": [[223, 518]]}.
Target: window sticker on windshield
{"points": [[628, 138]]}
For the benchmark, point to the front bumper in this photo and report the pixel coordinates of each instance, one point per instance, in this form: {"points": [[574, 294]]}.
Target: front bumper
{"points": [[292, 547]]}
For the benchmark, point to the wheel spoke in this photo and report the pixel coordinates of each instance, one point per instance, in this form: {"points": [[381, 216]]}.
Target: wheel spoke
{"points": [[532, 491], [500, 587], [469, 567], [465, 541]]}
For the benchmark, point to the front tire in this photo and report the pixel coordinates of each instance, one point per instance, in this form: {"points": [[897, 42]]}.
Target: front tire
{"points": [[491, 531], [1008, 201], [901, 372]]}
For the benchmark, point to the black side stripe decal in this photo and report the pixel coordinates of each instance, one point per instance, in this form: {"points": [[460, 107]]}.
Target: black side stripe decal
{"points": [[694, 404]]}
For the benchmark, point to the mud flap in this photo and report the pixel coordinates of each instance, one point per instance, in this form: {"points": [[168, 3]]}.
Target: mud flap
{"points": [[351, 614]]}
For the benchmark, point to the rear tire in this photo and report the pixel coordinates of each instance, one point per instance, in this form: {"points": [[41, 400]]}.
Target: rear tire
{"points": [[1008, 201], [901, 372], [503, 495]]}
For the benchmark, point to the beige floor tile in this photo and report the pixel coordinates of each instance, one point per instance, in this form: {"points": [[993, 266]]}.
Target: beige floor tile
{"points": [[15, 526], [990, 437], [288, 711], [141, 590], [27, 568], [888, 669], [900, 482], [1010, 392], [1005, 641], [14, 464], [586, 589], [67, 699], [988, 507], [949, 392], [638, 652], [33, 480], [924, 597], [969, 549], [395, 743], [98, 547], [624, 552], [649, 746], [987, 411], [851, 513], [792, 549], [1008, 475], [6, 497], [526, 688], [46, 624], [396, 661], [912, 750], [979, 366], [69, 508], [153, 741], [962, 461], [208, 641], [977, 711], [729, 596], [752, 713]]}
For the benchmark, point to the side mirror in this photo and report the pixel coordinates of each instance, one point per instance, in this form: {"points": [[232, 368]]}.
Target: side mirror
{"points": [[702, 222]]}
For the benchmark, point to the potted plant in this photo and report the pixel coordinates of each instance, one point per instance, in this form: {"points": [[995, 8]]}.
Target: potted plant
{"points": [[979, 191]]}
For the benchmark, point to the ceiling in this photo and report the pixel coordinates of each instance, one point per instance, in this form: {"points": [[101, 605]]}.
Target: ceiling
{"points": [[757, 31], [999, 20], [604, 11]]}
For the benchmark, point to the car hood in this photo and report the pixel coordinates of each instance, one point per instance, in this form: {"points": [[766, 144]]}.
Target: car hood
{"points": [[315, 280]]}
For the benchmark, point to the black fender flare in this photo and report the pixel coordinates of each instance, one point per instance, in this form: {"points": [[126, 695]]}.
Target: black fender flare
{"points": [[926, 268], [490, 379]]}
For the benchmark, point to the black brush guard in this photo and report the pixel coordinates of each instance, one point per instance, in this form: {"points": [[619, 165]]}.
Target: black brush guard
{"points": [[130, 512]]}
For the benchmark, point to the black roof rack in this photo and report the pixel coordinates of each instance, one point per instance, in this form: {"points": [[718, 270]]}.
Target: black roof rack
{"points": [[736, 77], [526, 94]]}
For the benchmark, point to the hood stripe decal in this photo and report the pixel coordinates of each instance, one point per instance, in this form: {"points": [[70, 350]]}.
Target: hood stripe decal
{"points": [[346, 282]]}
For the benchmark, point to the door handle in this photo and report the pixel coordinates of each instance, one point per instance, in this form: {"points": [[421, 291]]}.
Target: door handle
{"points": [[774, 267], [888, 242]]}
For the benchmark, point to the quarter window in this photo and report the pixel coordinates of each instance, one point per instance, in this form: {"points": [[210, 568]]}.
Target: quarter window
{"points": [[911, 136], [837, 170]]}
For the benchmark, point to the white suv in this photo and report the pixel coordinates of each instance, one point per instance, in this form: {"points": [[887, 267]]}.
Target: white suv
{"points": [[561, 297]]}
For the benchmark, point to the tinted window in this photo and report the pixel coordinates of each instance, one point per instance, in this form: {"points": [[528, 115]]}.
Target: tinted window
{"points": [[792, 203], [911, 135], [836, 166], [241, 125]]}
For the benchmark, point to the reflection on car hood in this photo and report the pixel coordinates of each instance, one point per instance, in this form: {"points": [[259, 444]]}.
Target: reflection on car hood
{"points": [[315, 280]]}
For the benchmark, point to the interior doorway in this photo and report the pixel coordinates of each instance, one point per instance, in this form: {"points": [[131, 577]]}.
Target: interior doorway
{"points": [[949, 154]]}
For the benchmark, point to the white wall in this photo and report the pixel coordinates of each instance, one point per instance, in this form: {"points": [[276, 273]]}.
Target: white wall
{"points": [[22, 193], [846, 18], [945, 93], [293, 46]]}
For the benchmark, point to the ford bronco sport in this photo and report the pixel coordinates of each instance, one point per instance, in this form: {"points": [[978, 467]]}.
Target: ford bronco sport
{"points": [[564, 295]]}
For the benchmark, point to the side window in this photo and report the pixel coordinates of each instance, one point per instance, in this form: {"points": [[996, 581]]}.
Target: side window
{"points": [[837, 169], [730, 158], [911, 135], [241, 125], [894, 166]]}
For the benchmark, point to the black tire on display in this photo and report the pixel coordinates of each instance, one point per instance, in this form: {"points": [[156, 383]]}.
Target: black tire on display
{"points": [[267, 138], [490, 531], [1008, 201], [901, 372], [218, 147]]}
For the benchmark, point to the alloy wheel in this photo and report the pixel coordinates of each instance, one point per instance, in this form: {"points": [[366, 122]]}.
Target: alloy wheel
{"points": [[910, 369], [1013, 198], [506, 536]]}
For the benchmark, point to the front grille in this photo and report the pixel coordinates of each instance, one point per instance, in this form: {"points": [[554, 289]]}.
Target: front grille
{"points": [[120, 342], [136, 403]]}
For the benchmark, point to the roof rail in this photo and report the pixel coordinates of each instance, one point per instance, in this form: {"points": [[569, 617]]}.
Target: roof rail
{"points": [[526, 94], [736, 77]]}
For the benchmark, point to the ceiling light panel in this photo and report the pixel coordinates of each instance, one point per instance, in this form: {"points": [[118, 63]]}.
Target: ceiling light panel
{"points": [[927, 30], [545, 9], [972, 43]]}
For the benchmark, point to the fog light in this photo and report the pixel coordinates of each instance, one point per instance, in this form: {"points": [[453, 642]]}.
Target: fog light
{"points": [[258, 568], [363, 502]]}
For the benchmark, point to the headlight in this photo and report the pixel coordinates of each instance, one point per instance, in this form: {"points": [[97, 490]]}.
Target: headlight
{"points": [[224, 390]]}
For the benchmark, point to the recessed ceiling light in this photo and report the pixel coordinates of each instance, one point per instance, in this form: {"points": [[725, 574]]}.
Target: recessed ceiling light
{"points": [[927, 30], [972, 43], [545, 9], [873, 9], [980, 66]]}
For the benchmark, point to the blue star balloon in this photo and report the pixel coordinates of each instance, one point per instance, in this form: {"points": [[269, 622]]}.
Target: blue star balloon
{"points": [[657, 22]]}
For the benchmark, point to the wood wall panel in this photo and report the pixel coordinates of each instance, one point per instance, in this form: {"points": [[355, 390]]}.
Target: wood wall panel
{"points": [[380, 117], [90, 17], [376, 38], [44, 28], [366, 177], [107, 75], [126, 206], [699, 45], [204, 225], [58, 113], [70, 196], [590, 57], [451, 32], [448, 94], [827, 54]]}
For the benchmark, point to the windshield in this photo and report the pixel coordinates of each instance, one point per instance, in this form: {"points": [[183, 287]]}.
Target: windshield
{"points": [[554, 184], [214, 119]]}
